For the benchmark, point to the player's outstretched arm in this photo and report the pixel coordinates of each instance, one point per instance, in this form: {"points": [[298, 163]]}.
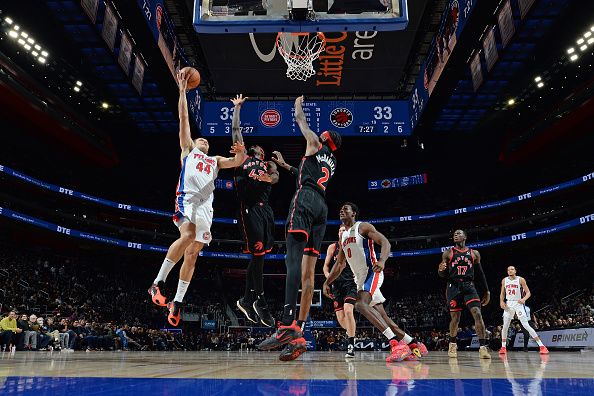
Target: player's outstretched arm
{"points": [[232, 162], [479, 268], [502, 303], [236, 123], [442, 270], [280, 161], [368, 231], [527, 293], [185, 136], [313, 141], [271, 175]]}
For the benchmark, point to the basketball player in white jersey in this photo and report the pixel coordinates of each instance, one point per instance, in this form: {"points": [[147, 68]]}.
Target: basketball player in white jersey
{"points": [[513, 296], [193, 204], [357, 247]]}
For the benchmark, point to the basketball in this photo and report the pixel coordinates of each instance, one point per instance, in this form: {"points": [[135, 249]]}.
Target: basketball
{"points": [[194, 79]]}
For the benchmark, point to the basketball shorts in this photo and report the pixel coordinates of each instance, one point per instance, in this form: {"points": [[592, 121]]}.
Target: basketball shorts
{"points": [[197, 213], [344, 291], [257, 227], [515, 308], [372, 284], [459, 294], [307, 214]]}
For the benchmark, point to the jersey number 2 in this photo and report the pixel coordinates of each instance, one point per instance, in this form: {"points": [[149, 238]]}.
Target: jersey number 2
{"points": [[324, 178]]}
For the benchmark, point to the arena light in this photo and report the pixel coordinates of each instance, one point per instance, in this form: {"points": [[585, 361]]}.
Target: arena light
{"points": [[580, 41], [41, 59], [571, 50], [537, 79], [16, 27], [511, 102], [590, 40], [105, 105], [35, 53], [44, 53], [8, 20], [37, 47], [24, 34], [76, 89], [79, 83], [13, 34], [27, 47], [587, 34], [30, 40], [21, 41], [583, 47], [573, 57], [540, 84]]}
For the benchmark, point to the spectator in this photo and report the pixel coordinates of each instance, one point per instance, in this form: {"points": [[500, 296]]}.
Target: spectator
{"points": [[8, 331]]}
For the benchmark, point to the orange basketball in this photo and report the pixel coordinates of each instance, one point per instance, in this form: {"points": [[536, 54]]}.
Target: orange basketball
{"points": [[194, 77]]}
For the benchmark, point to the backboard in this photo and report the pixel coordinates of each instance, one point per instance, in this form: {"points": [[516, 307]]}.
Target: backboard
{"points": [[268, 16]]}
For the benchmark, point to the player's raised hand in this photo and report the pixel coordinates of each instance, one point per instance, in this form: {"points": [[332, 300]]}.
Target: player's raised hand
{"points": [[264, 177], [237, 148], [442, 266], [299, 100], [182, 81], [486, 298], [238, 100], [378, 266], [327, 290], [278, 158]]}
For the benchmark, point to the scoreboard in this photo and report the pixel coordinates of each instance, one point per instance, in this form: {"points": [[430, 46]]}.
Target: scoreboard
{"points": [[277, 118]]}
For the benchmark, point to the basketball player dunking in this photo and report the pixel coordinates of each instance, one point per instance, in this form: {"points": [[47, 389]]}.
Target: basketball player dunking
{"points": [[193, 205], [515, 291], [458, 265], [357, 247], [306, 224], [344, 293], [253, 180]]}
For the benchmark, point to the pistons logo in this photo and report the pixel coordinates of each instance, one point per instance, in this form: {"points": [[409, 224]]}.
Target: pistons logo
{"points": [[270, 118], [206, 236], [341, 117], [386, 183], [453, 304]]}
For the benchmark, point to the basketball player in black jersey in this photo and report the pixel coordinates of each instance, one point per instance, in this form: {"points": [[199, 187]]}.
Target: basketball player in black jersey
{"points": [[458, 266], [306, 224], [344, 292], [253, 181]]}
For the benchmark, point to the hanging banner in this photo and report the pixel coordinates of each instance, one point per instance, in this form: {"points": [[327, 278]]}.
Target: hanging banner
{"points": [[125, 55], [110, 27], [90, 7], [138, 76], [505, 20], [490, 48], [525, 6], [476, 71]]}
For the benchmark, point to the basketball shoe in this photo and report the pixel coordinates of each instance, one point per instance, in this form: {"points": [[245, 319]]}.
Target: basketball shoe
{"points": [[282, 336], [398, 351], [544, 350], [503, 350], [418, 349], [350, 352], [155, 293], [484, 352], [247, 310], [261, 308], [174, 308], [293, 349], [453, 350]]}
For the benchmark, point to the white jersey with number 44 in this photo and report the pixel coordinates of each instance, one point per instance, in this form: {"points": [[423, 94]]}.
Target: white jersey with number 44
{"points": [[197, 177]]}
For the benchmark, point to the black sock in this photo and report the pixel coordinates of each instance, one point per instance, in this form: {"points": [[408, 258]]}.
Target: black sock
{"points": [[248, 295], [261, 300], [351, 340], [257, 265], [301, 324], [453, 340], [295, 245], [483, 342]]}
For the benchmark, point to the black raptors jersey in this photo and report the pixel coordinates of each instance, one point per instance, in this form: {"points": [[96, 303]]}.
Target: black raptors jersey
{"points": [[461, 265], [315, 171], [347, 272], [249, 189]]}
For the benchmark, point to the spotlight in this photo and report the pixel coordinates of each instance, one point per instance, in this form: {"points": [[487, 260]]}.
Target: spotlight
{"points": [[571, 50], [16, 27], [13, 34], [35, 53], [79, 83], [590, 40], [8, 20], [21, 41], [583, 47], [30, 40], [41, 59], [587, 34], [573, 57], [76, 89], [27, 47], [44, 53], [105, 105], [537, 79], [511, 102], [24, 34], [540, 85], [37, 47], [580, 41]]}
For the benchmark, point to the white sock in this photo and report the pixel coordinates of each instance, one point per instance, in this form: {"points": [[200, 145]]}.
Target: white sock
{"points": [[539, 342], [388, 333], [407, 339], [182, 287], [166, 268], [503, 343]]}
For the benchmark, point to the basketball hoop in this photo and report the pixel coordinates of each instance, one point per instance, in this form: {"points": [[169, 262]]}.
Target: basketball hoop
{"points": [[299, 50]]}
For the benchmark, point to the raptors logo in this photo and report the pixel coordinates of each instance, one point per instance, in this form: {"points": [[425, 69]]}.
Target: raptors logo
{"points": [[258, 246], [453, 303], [341, 117]]}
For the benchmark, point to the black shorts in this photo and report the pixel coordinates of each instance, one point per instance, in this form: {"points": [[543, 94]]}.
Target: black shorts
{"points": [[344, 291], [460, 293], [257, 228], [307, 214]]}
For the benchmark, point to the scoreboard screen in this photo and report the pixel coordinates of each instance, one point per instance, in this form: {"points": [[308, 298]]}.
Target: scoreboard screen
{"points": [[397, 182], [277, 118]]}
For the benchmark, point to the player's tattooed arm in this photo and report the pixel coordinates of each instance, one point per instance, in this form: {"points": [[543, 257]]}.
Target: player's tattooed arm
{"points": [[368, 231], [185, 136], [271, 175], [280, 161], [236, 123], [232, 162], [313, 141], [442, 271]]}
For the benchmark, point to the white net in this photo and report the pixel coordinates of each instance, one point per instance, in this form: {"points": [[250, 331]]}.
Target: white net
{"points": [[299, 51]]}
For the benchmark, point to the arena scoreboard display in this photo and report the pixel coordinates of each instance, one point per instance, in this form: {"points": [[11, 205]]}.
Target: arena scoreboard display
{"points": [[277, 118]]}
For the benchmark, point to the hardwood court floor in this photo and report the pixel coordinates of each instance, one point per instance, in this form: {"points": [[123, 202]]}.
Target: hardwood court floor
{"points": [[315, 373]]}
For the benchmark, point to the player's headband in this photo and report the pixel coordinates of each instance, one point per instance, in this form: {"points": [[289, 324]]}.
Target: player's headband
{"points": [[328, 138]]}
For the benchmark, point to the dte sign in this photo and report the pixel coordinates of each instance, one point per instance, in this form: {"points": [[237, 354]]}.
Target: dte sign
{"points": [[524, 196], [63, 230], [461, 210], [66, 191], [135, 245], [589, 176], [517, 237], [587, 219], [406, 218], [124, 206]]}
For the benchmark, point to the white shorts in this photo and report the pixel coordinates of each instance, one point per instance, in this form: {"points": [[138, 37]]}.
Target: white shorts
{"points": [[198, 214], [515, 308], [372, 284]]}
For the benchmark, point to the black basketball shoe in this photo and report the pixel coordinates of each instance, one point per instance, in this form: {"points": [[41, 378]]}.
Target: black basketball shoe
{"points": [[282, 336], [261, 309], [247, 310], [293, 350]]}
